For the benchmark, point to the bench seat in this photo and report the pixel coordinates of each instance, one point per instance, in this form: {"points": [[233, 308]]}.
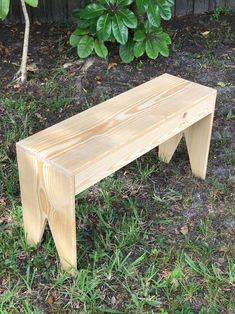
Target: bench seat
{"points": [[63, 160]]}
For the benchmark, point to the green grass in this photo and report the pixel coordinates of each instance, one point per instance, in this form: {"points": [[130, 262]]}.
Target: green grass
{"points": [[132, 255], [124, 265]]}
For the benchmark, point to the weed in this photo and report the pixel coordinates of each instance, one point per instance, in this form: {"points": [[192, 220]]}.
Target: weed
{"points": [[218, 11]]}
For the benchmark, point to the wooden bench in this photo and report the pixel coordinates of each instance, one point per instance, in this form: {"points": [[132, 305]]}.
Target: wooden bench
{"points": [[69, 157]]}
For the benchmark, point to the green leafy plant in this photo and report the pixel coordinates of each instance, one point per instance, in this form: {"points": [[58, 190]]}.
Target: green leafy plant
{"points": [[134, 24], [21, 75], [217, 12]]}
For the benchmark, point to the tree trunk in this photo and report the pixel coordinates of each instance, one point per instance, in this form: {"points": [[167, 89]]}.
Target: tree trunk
{"points": [[21, 75]]}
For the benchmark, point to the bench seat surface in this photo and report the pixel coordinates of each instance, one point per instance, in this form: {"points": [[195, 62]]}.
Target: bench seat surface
{"points": [[102, 139]]}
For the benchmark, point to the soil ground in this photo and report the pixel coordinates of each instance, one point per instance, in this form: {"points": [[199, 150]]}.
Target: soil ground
{"points": [[151, 238]]}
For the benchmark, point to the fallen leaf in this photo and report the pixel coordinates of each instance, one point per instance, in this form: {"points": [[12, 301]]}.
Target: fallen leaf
{"points": [[38, 115], [98, 78], [205, 34], [184, 230], [218, 270], [112, 65], [2, 201], [113, 300], [50, 299], [198, 56], [175, 282], [32, 67], [221, 84], [67, 65], [156, 252], [221, 260]]}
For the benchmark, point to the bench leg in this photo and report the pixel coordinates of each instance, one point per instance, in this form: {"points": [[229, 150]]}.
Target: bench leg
{"points": [[34, 218], [197, 139], [167, 149], [48, 193]]}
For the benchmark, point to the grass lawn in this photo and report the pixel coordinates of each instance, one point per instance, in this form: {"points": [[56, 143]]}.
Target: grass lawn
{"points": [[150, 238]]}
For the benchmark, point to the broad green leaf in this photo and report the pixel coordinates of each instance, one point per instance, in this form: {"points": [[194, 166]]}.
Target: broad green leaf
{"points": [[126, 52], [151, 49], [139, 49], [85, 46], [153, 13], [111, 38], [103, 27], [80, 31], [105, 3], [128, 18], [148, 26], [74, 40], [139, 35], [120, 31], [170, 2], [32, 3], [84, 23], [141, 6], [110, 1], [162, 47], [164, 9], [166, 38], [124, 2], [4, 8], [101, 49], [91, 11]]}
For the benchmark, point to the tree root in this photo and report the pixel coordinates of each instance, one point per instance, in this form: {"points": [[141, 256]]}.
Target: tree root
{"points": [[20, 76]]}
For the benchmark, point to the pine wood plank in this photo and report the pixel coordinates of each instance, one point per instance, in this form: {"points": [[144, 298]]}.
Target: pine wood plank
{"points": [[48, 193], [34, 218], [60, 197], [198, 142]]}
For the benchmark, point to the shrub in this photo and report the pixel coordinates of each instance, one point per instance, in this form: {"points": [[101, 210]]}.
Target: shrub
{"points": [[134, 24]]}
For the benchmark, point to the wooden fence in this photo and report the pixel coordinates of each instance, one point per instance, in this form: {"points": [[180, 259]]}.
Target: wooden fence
{"points": [[60, 10]]}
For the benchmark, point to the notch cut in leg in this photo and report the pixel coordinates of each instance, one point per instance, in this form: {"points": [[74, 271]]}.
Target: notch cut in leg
{"points": [[167, 149]]}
